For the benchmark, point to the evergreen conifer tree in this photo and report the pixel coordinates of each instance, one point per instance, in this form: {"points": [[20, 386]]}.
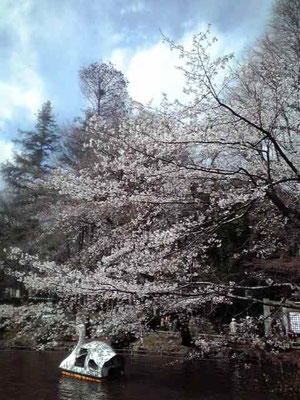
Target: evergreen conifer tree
{"points": [[21, 202], [33, 160]]}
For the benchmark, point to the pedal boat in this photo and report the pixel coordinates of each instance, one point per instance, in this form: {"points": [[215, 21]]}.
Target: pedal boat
{"points": [[92, 361]]}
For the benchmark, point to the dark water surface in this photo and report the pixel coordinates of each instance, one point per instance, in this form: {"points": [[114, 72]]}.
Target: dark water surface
{"points": [[28, 375]]}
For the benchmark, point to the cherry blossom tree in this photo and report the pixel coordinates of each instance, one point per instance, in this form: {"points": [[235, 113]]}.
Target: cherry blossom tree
{"points": [[180, 199]]}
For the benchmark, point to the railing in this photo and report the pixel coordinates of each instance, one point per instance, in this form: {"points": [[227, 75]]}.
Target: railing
{"points": [[209, 336]]}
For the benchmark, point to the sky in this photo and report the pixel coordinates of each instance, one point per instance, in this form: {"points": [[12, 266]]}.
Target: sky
{"points": [[43, 43]]}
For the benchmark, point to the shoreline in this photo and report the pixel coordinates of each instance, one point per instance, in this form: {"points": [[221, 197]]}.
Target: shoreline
{"points": [[288, 359]]}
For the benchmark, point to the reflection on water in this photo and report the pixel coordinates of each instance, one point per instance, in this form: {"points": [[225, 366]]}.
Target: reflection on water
{"points": [[75, 389], [35, 376]]}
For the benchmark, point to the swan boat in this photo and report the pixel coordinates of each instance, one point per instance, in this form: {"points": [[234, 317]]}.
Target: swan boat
{"points": [[91, 360]]}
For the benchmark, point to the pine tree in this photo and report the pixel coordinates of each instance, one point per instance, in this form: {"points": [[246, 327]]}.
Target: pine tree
{"points": [[33, 161], [22, 201]]}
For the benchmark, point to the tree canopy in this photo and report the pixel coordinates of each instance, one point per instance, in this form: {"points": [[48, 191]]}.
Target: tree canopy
{"points": [[105, 88]]}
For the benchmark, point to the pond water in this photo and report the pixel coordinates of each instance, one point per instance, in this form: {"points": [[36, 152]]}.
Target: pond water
{"points": [[34, 375]]}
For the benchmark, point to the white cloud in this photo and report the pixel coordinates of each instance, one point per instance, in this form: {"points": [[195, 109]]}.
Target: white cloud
{"points": [[6, 151], [118, 58], [16, 95], [22, 86], [152, 71], [133, 7]]}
